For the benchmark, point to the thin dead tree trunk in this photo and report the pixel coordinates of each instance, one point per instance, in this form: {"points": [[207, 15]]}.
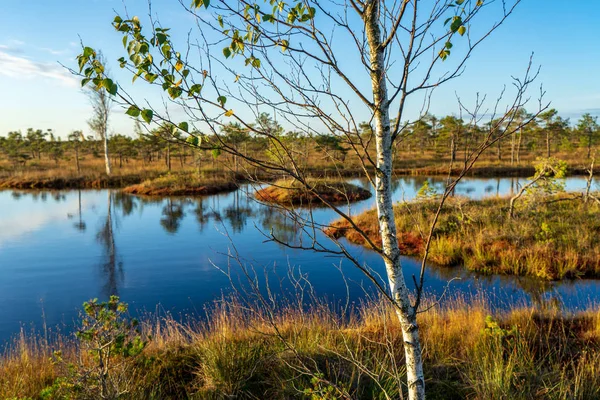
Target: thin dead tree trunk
{"points": [[77, 158], [452, 149], [499, 151], [512, 149], [589, 143], [590, 179], [385, 211], [168, 157], [519, 146]]}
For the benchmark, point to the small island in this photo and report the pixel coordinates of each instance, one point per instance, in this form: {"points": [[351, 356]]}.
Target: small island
{"points": [[319, 191], [552, 238], [182, 185]]}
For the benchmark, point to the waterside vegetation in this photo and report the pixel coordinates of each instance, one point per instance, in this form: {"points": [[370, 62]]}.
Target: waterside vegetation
{"points": [[548, 237], [470, 351], [314, 191], [429, 146]]}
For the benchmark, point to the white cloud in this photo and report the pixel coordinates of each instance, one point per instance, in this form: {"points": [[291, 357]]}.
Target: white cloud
{"points": [[13, 227], [55, 52], [19, 67]]}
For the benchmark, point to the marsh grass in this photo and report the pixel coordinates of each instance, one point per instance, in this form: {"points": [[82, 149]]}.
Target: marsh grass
{"points": [[550, 237], [470, 352], [185, 184], [292, 192]]}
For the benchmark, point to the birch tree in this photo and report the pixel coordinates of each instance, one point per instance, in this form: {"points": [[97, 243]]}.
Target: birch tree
{"points": [[320, 68], [101, 101]]}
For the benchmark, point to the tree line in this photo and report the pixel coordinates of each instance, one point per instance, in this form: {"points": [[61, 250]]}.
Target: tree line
{"points": [[446, 138]]}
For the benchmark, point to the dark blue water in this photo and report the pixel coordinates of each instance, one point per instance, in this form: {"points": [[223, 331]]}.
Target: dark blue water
{"points": [[59, 249]]}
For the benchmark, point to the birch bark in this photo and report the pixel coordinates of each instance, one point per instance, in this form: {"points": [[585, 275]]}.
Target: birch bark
{"points": [[383, 194]]}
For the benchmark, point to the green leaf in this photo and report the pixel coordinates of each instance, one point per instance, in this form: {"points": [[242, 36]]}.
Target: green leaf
{"points": [[206, 3], [88, 51], [193, 140], [196, 88], [137, 75], [227, 52], [222, 100], [151, 77], [85, 81], [133, 111], [456, 23], [174, 92], [256, 63], [110, 86], [161, 38], [284, 44], [82, 61], [448, 45], [184, 126], [113, 89], [147, 115]]}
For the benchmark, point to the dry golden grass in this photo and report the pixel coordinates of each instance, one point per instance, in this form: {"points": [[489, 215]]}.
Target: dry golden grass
{"points": [[245, 352], [289, 192], [547, 239], [183, 184]]}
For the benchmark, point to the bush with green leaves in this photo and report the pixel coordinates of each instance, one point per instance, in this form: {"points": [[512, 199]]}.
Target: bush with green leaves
{"points": [[110, 339]]}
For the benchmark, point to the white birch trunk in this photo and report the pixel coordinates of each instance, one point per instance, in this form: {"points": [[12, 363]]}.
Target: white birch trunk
{"points": [[106, 157], [385, 211]]}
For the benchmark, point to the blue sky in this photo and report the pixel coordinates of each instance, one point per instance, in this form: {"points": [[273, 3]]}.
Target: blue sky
{"points": [[36, 35]]}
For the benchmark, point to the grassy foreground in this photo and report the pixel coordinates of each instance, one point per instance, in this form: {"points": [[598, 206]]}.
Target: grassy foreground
{"points": [[549, 238], [518, 354], [285, 191]]}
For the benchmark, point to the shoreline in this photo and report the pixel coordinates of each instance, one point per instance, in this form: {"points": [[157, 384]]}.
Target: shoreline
{"points": [[101, 181], [544, 242]]}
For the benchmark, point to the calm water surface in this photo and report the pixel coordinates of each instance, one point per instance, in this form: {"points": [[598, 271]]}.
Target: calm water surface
{"points": [[58, 249]]}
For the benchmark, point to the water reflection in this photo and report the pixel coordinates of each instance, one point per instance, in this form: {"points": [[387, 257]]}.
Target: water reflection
{"points": [[172, 215], [157, 250], [238, 212], [80, 224], [112, 269], [276, 222], [125, 203]]}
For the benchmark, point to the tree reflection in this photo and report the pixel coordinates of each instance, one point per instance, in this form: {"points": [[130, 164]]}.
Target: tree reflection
{"points": [[125, 202], [238, 213], [541, 293], [80, 225], [283, 227], [111, 267], [202, 214], [172, 215]]}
